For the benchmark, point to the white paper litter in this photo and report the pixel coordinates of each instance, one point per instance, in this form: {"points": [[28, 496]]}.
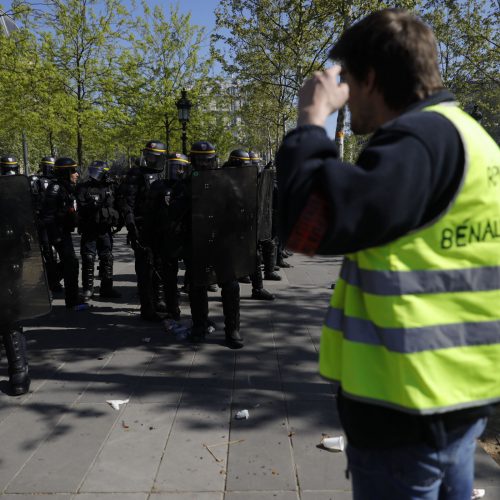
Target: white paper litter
{"points": [[116, 403], [242, 415], [333, 443], [146, 339], [477, 493]]}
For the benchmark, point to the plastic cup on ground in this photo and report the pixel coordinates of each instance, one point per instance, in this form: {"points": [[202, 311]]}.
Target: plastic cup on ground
{"points": [[333, 443]]}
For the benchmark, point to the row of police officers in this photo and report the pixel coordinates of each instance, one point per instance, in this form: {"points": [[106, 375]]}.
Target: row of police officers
{"points": [[217, 221]]}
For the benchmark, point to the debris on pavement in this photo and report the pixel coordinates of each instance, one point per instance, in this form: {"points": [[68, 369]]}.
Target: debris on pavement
{"points": [[124, 425], [242, 415], [224, 443], [116, 403], [477, 493], [218, 460], [146, 339], [335, 443]]}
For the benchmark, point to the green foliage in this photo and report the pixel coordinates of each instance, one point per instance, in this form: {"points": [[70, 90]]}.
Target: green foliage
{"points": [[88, 79]]}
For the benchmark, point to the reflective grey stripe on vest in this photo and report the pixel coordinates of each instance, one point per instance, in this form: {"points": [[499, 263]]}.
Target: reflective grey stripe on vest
{"points": [[407, 340], [419, 282]]}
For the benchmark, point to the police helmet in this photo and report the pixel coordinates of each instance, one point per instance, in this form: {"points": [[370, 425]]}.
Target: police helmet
{"points": [[203, 156], [64, 167], [178, 166], [153, 157], [98, 170], [239, 158], [47, 165], [9, 165], [255, 158]]}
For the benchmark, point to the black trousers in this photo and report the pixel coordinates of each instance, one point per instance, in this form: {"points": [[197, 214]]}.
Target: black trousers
{"points": [[230, 293], [93, 244], [69, 262]]}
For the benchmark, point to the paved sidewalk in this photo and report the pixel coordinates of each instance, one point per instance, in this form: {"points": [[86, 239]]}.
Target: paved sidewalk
{"points": [[63, 441]]}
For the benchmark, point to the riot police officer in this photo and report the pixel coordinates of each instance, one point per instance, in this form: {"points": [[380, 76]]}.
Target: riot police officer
{"points": [[167, 224], [59, 217], [270, 247], [132, 202], [20, 260], [39, 183], [241, 158], [203, 157], [97, 216], [9, 165]]}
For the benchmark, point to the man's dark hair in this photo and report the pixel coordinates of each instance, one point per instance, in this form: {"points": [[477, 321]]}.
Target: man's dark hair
{"points": [[401, 50]]}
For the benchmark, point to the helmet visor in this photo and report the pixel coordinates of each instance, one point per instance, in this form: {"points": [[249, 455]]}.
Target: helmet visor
{"points": [[96, 173], [153, 161]]}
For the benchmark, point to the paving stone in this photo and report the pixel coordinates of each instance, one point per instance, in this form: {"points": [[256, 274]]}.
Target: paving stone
{"points": [[263, 461], [69, 382], [118, 379], [261, 495], [129, 459], [317, 469], [109, 496], [21, 433], [187, 466], [38, 497], [326, 495], [187, 496], [60, 463]]}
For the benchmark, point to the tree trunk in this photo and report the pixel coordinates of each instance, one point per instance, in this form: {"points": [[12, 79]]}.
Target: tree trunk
{"points": [[167, 132], [79, 141], [340, 131], [342, 114], [51, 144]]}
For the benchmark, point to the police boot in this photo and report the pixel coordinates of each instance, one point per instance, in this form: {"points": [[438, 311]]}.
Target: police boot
{"points": [[280, 260], [158, 294], [231, 310], [15, 349], [198, 300], [245, 279], [258, 292], [87, 276], [282, 263], [73, 300], [269, 258], [106, 270], [261, 294]]}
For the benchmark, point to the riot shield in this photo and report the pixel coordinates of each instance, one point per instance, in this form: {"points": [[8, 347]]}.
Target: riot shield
{"points": [[264, 205], [224, 224], [23, 288]]}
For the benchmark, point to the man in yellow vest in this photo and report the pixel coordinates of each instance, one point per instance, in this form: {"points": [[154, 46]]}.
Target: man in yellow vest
{"points": [[412, 332]]}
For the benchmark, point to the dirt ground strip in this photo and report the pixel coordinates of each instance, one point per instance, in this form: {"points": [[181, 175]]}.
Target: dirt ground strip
{"points": [[490, 441]]}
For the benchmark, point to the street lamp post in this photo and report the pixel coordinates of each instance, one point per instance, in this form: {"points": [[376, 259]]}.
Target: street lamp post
{"points": [[184, 109]]}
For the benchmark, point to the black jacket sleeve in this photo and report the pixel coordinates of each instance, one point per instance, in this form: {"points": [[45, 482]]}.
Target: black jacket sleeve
{"points": [[406, 176]]}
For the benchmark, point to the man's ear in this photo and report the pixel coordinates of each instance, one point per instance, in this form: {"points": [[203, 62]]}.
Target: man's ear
{"points": [[370, 80]]}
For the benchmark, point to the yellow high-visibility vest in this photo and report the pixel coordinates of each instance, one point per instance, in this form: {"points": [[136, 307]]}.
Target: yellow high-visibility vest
{"points": [[415, 324]]}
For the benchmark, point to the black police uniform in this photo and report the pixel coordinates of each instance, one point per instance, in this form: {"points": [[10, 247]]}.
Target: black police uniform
{"points": [[134, 192], [97, 216], [168, 225], [11, 333], [258, 290], [230, 290], [59, 218], [270, 247], [39, 183]]}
